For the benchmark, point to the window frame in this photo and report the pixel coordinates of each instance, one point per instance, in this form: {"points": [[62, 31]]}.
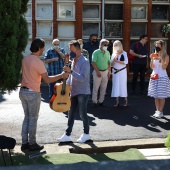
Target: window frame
{"points": [[62, 4], [41, 17], [85, 19]]}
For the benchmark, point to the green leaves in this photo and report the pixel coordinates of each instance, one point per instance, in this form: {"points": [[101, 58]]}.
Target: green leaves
{"points": [[166, 28], [13, 40]]}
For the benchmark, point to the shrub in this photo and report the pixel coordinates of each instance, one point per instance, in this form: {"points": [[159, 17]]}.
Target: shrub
{"points": [[13, 40]]}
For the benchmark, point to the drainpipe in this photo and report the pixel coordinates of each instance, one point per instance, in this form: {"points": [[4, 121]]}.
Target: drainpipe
{"points": [[103, 26]]}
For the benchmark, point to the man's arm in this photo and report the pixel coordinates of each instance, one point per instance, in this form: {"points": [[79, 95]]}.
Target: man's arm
{"points": [[50, 79], [135, 54]]}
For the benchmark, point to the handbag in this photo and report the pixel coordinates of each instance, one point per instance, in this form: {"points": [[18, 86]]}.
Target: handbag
{"points": [[154, 76]]}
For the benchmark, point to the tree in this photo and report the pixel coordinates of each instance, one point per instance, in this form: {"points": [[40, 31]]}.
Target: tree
{"points": [[13, 40]]}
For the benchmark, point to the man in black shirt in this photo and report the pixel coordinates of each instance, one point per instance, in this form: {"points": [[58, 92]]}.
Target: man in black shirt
{"points": [[140, 51]]}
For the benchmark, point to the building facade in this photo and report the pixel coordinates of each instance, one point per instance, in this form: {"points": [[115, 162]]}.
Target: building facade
{"points": [[123, 20]]}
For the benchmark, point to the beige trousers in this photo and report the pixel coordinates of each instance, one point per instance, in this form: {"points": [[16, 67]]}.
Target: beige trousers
{"points": [[99, 82]]}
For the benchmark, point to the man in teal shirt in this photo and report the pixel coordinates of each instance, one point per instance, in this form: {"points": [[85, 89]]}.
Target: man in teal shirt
{"points": [[101, 73]]}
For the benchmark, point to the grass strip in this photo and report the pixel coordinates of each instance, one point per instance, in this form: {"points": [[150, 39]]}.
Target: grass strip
{"points": [[70, 158]]}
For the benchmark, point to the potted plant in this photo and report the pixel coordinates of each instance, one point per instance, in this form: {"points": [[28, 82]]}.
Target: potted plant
{"points": [[166, 29]]}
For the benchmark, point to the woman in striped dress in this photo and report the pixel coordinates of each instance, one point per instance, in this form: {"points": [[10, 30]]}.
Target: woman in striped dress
{"points": [[159, 88]]}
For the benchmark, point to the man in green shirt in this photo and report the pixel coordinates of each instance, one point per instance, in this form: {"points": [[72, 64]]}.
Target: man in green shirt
{"points": [[101, 73]]}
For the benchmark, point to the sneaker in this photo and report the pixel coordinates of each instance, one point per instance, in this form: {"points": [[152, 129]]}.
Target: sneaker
{"points": [[35, 147], [65, 138], [83, 138], [156, 113], [25, 147], [159, 115]]}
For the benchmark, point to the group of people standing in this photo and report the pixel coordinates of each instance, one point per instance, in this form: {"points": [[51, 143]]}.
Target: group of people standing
{"points": [[91, 68]]}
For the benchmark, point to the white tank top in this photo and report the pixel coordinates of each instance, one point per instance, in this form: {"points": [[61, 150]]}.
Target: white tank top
{"points": [[158, 69]]}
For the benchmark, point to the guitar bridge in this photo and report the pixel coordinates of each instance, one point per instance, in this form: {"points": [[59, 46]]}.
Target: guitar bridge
{"points": [[61, 103]]}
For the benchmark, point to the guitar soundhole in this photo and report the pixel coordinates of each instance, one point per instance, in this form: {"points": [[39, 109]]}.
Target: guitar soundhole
{"points": [[62, 92]]}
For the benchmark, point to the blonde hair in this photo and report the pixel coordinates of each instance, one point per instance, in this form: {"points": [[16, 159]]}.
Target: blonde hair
{"points": [[163, 51], [119, 45]]}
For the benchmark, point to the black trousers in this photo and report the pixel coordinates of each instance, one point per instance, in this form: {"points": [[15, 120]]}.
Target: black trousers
{"points": [[138, 68]]}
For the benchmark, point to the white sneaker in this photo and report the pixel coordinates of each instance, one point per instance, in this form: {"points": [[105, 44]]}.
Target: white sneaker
{"points": [[156, 113], [83, 138], [65, 138], [159, 115]]}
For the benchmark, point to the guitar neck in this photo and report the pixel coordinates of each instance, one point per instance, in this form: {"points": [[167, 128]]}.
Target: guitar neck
{"points": [[63, 87]]}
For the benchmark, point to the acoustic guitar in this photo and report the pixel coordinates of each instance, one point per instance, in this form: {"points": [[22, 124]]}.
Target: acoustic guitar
{"points": [[60, 101]]}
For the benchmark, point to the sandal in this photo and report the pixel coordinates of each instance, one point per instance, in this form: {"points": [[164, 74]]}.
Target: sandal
{"points": [[126, 103], [117, 103]]}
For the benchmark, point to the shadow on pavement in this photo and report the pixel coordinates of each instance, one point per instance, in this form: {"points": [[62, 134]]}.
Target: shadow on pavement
{"points": [[138, 113]]}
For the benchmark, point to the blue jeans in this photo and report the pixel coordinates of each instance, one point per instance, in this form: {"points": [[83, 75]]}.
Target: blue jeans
{"points": [[79, 103], [31, 104]]}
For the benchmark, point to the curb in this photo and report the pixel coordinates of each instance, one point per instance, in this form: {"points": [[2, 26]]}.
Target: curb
{"points": [[117, 146], [100, 147]]}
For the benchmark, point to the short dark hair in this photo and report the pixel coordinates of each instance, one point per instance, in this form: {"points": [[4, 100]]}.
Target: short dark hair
{"points": [[93, 35], [142, 36], [75, 43], [37, 44]]}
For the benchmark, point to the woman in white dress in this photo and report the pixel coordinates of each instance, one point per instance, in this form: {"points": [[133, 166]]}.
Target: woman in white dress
{"points": [[159, 88], [119, 60]]}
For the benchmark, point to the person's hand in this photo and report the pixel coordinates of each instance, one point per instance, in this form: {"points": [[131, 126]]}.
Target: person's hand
{"points": [[67, 69], [64, 75], [55, 59], [109, 74], [115, 59], [98, 74], [159, 56], [140, 56], [57, 50]]}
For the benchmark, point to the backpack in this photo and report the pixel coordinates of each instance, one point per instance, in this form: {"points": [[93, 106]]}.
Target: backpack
{"points": [[131, 57]]}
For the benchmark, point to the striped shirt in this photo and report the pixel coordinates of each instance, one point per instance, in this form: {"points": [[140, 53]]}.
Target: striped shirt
{"points": [[55, 67], [79, 79]]}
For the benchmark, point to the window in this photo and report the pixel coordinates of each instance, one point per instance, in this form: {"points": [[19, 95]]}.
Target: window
{"points": [[156, 30], [113, 29], [30, 29], [89, 28], [160, 12], [160, 1], [66, 11], [138, 12], [66, 30], [91, 19], [44, 11], [114, 11], [91, 11], [44, 29], [28, 14], [138, 29], [139, 0]]}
